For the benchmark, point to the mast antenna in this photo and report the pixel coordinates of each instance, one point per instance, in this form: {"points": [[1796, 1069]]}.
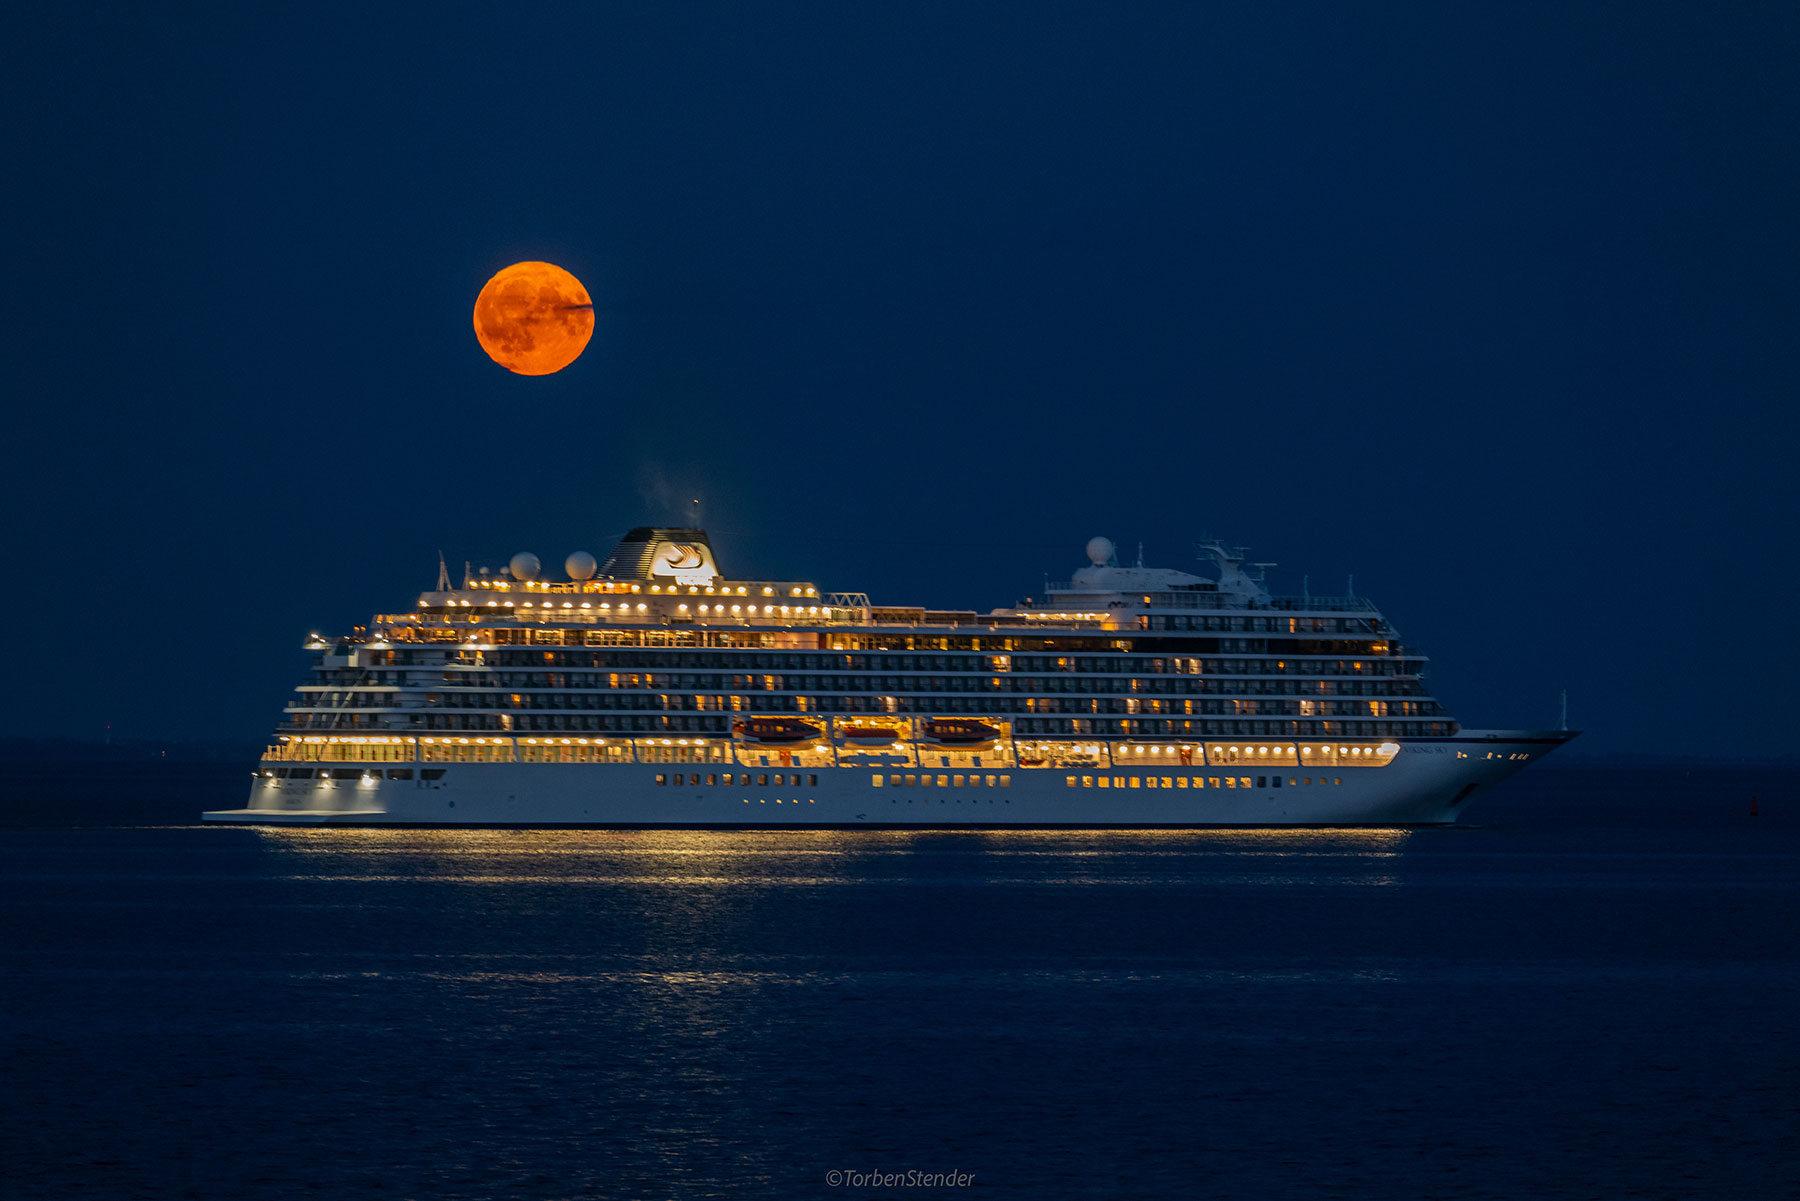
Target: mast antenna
{"points": [[1565, 707], [696, 512], [443, 574]]}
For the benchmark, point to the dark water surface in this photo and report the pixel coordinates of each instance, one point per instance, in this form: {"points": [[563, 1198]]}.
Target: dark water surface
{"points": [[1593, 995]]}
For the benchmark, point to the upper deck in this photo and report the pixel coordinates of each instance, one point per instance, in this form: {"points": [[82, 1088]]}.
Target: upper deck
{"points": [[693, 594]]}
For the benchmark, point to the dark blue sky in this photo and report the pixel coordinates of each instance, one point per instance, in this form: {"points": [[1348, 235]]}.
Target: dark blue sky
{"points": [[1494, 307]]}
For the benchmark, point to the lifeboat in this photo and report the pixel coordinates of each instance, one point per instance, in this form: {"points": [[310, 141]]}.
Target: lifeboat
{"points": [[959, 731], [871, 735], [778, 729]]}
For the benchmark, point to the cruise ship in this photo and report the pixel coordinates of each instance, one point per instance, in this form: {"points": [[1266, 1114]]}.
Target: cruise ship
{"points": [[651, 689]]}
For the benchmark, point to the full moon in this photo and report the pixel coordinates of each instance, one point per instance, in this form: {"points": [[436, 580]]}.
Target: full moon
{"points": [[534, 318]]}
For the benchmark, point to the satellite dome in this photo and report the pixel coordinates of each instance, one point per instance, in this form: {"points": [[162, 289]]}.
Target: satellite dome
{"points": [[1100, 551], [525, 566], [580, 566]]}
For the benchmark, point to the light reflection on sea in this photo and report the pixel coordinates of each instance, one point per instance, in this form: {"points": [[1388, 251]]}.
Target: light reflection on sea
{"points": [[1315, 1013], [835, 858]]}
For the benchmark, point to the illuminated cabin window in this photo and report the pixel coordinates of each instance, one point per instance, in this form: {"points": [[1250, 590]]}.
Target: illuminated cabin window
{"points": [[1337, 779], [1181, 781], [1135, 782], [1087, 781], [762, 780], [990, 781], [1167, 782], [551, 750], [1231, 781], [955, 781], [876, 782], [943, 782], [1285, 754], [912, 781], [1105, 781], [1348, 754], [661, 779], [1158, 754], [664, 750], [711, 779], [1069, 781], [812, 781], [376, 749], [1006, 781], [481, 750]]}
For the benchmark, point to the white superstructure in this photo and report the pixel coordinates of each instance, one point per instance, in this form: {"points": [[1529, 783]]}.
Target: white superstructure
{"points": [[651, 690]]}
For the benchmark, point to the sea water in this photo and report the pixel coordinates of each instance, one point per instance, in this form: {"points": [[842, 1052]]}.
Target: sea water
{"points": [[1592, 992]]}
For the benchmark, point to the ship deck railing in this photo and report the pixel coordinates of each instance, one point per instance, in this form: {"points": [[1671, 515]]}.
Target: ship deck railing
{"points": [[1224, 600]]}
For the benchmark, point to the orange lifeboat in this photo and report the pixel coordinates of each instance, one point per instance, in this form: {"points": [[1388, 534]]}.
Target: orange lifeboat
{"points": [[870, 735], [959, 731], [777, 729]]}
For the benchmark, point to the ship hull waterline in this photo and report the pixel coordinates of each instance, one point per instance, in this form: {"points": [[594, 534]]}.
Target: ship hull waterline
{"points": [[1431, 782]]}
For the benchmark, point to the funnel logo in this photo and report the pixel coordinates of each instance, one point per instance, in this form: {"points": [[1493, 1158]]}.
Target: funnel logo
{"points": [[684, 562]]}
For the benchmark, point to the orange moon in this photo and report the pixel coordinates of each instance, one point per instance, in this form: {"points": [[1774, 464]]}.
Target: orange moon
{"points": [[534, 318]]}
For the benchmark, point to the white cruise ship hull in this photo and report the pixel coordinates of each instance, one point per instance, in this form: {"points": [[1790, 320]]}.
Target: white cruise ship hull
{"points": [[1431, 782]]}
